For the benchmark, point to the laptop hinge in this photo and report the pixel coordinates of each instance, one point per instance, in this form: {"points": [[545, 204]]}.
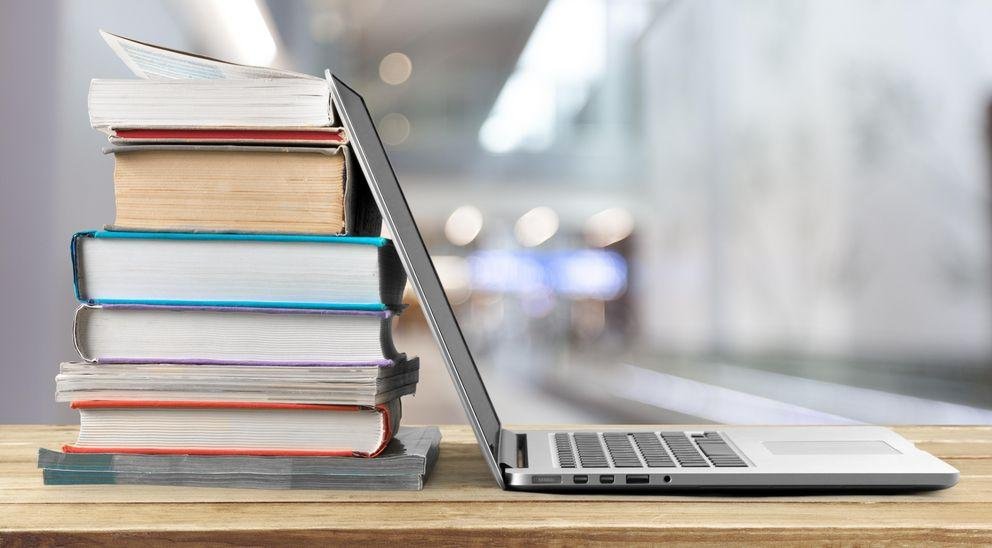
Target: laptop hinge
{"points": [[512, 450]]}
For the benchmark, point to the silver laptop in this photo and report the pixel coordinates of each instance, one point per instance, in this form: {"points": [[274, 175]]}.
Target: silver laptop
{"points": [[718, 458]]}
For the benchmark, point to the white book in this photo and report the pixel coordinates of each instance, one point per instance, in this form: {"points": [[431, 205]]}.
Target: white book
{"points": [[222, 428], [366, 384], [279, 271], [233, 335], [180, 90]]}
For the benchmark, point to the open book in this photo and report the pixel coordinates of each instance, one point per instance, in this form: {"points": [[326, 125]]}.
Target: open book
{"points": [[222, 96]]}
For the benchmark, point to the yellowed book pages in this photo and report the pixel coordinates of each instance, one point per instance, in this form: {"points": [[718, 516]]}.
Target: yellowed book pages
{"points": [[250, 189]]}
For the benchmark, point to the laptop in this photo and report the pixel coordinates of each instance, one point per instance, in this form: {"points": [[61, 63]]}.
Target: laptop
{"points": [[858, 458]]}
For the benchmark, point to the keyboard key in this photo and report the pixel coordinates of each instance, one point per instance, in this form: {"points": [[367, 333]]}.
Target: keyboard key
{"points": [[621, 450], [563, 447], [652, 450], [684, 451], [590, 450]]}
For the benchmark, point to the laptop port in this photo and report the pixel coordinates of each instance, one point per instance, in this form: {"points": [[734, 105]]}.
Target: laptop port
{"points": [[606, 479], [580, 479], [668, 479], [637, 478]]}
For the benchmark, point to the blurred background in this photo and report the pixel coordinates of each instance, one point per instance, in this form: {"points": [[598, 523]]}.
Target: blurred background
{"points": [[643, 211]]}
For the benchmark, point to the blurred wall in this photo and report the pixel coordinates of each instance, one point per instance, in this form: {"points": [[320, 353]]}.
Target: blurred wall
{"points": [[55, 180], [820, 182]]}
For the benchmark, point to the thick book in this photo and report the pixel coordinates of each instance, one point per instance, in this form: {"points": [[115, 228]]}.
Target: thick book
{"points": [[233, 335], [253, 270], [365, 384], [233, 428], [406, 463], [177, 89], [235, 188]]}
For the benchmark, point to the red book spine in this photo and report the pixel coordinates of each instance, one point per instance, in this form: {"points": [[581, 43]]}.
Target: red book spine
{"points": [[231, 134]]}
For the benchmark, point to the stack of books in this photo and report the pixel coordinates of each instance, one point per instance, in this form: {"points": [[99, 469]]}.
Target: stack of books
{"points": [[236, 315]]}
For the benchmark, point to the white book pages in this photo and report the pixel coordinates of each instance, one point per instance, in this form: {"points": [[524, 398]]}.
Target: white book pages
{"points": [[228, 270], [194, 335], [238, 429], [179, 89], [155, 62]]}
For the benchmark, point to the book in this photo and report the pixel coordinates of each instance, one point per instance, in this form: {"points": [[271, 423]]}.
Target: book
{"points": [[331, 136], [254, 270], [237, 480], [405, 464], [209, 103], [177, 89], [231, 188], [235, 323], [233, 428], [233, 335], [365, 384]]}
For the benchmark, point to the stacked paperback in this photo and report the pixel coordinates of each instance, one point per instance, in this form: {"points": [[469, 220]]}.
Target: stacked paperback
{"points": [[235, 319]]}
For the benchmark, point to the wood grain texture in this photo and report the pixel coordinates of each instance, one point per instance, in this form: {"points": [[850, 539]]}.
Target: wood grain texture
{"points": [[461, 505]]}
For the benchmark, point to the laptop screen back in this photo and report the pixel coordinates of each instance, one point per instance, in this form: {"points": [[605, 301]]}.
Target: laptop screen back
{"points": [[416, 260]]}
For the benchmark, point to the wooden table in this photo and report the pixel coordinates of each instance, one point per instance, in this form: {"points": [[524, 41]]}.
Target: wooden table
{"points": [[461, 505]]}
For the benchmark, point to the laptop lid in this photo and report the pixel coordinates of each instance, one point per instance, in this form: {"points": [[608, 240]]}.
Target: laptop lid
{"points": [[378, 172]]}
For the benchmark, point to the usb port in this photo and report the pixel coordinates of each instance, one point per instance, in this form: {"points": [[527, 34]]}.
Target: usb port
{"points": [[580, 479], [606, 479], [637, 478]]}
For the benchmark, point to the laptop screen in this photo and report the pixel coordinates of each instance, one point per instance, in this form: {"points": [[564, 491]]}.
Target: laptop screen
{"points": [[416, 260]]}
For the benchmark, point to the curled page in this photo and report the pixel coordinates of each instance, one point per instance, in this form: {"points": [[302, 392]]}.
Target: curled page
{"points": [[158, 63]]}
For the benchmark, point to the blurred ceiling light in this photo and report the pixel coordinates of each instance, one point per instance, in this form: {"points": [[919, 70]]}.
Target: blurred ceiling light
{"points": [[394, 128], [455, 277], [609, 226], [464, 225], [395, 68], [522, 117], [563, 58], [244, 23], [536, 226]]}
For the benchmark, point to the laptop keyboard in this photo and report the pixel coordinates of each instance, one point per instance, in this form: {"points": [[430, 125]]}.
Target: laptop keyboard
{"points": [[644, 449]]}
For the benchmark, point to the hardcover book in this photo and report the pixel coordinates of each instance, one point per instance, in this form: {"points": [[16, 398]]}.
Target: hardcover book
{"points": [[233, 335], [230, 188], [255, 270], [331, 136], [233, 428]]}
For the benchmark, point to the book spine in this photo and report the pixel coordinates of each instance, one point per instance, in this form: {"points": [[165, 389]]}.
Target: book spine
{"points": [[390, 413], [392, 276], [76, 269], [78, 340], [362, 215]]}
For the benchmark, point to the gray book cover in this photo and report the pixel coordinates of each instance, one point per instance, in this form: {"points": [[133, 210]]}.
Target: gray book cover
{"points": [[404, 465]]}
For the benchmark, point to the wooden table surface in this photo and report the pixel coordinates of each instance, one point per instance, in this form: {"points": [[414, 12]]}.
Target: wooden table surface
{"points": [[462, 505]]}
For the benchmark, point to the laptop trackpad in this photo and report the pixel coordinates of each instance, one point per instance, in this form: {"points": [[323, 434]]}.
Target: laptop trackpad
{"points": [[863, 447]]}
